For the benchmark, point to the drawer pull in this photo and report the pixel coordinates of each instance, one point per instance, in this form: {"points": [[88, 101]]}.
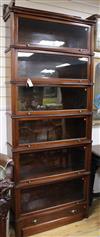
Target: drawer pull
{"points": [[80, 50], [34, 221], [29, 146], [29, 181], [27, 45], [74, 211], [29, 113]]}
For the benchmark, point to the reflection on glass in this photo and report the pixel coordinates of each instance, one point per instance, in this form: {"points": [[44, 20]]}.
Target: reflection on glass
{"points": [[57, 161], [49, 98], [96, 102], [98, 34], [51, 130], [52, 34], [38, 198], [43, 65], [51, 43]]}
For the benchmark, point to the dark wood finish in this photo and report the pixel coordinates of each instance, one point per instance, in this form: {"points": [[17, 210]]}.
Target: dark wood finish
{"points": [[44, 221], [49, 116]]}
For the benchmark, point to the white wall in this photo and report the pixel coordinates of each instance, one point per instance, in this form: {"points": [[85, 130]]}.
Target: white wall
{"points": [[3, 147], [74, 7], [96, 134]]}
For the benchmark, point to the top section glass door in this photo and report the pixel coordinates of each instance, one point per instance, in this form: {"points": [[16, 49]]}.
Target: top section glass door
{"points": [[45, 34]]}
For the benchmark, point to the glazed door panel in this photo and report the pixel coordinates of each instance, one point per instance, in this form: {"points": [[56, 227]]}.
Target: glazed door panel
{"points": [[32, 165], [45, 65], [45, 34], [34, 131], [55, 194], [48, 98]]}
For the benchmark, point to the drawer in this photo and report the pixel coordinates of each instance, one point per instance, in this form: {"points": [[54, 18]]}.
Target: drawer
{"points": [[50, 219]]}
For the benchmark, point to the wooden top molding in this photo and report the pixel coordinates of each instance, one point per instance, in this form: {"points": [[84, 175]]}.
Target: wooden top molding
{"points": [[7, 9]]}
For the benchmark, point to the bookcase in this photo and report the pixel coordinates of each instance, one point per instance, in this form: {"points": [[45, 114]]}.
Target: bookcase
{"points": [[49, 116]]}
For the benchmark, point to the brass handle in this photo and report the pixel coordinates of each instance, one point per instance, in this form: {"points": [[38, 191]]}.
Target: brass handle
{"points": [[29, 181], [29, 113], [27, 45], [74, 211], [34, 221], [78, 140], [80, 50], [79, 172], [29, 146]]}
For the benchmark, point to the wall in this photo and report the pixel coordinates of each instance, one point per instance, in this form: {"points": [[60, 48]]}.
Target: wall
{"points": [[3, 147], [72, 7]]}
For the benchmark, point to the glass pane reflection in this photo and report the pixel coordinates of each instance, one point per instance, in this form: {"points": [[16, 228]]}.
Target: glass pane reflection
{"points": [[52, 34], [44, 65], [96, 99]]}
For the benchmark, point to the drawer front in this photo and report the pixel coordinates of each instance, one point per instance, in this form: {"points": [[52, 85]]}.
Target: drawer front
{"points": [[44, 221], [34, 165]]}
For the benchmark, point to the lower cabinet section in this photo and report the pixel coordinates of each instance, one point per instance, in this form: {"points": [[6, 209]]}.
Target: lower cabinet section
{"points": [[40, 207], [40, 197], [46, 200], [42, 221]]}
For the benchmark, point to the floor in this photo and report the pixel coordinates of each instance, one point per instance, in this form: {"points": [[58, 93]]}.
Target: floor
{"points": [[89, 227]]}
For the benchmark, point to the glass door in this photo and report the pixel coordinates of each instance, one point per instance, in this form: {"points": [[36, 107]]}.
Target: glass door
{"points": [[51, 195], [48, 98], [56, 129], [42, 33], [39, 164], [44, 65]]}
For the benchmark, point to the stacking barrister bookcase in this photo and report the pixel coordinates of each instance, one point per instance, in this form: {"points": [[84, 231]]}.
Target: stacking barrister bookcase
{"points": [[49, 116]]}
